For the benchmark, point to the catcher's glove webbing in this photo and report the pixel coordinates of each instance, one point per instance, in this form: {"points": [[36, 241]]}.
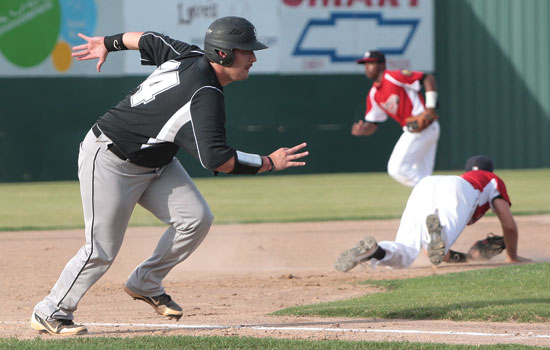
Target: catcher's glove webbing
{"points": [[487, 248]]}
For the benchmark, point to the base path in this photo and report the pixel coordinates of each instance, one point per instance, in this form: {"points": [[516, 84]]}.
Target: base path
{"points": [[242, 273]]}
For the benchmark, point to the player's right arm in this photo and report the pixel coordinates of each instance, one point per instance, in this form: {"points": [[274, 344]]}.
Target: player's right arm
{"points": [[363, 128], [509, 229], [155, 48], [95, 47], [373, 115]]}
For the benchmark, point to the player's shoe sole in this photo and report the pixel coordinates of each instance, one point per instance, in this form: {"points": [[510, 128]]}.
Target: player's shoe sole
{"points": [[162, 304], [362, 251], [56, 327], [436, 247]]}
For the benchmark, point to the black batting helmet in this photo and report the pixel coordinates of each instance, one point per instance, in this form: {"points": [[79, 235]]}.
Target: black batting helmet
{"points": [[226, 34], [479, 162]]}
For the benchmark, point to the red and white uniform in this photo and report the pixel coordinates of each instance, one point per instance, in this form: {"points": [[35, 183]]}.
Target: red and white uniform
{"points": [[457, 200], [398, 96], [490, 187]]}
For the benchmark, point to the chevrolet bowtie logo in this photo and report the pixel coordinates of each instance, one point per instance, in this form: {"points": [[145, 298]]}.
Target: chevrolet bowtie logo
{"points": [[344, 36]]}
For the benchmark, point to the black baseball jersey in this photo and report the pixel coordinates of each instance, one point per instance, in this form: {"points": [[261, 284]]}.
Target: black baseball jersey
{"points": [[180, 104]]}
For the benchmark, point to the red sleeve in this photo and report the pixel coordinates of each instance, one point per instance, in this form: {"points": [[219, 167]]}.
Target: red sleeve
{"points": [[501, 187], [406, 76]]}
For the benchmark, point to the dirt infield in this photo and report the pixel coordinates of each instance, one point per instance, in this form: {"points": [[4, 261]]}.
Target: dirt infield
{"points": [[242, 273]]}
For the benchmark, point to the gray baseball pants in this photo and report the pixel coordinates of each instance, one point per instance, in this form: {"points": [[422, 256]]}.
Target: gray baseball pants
{"points": [[110, 189]]}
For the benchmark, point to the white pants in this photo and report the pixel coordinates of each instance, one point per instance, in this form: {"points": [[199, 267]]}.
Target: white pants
{"points": [[451, 197], [413, 156]]}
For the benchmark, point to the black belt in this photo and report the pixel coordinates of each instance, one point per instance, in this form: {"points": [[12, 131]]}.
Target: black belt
{"points": [[112, 147]]}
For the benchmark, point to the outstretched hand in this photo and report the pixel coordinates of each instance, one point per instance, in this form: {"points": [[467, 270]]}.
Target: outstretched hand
{"points": [[285, 157], [357, 128], [363, 128], [94, 48]]}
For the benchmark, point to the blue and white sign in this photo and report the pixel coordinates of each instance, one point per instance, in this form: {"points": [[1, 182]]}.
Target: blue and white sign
{"points": [[304, 36], [393, 36], [329, 36]]}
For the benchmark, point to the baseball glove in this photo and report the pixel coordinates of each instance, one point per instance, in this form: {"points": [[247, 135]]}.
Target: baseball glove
{"points": [[487, 248], [420, 122]]}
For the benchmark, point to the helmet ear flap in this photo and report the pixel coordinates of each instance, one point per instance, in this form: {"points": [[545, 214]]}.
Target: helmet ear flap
{"points": [[228, 59], [213, 55]]}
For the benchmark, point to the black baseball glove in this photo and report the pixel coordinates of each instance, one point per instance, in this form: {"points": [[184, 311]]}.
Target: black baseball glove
{"points": [[487, 248]]}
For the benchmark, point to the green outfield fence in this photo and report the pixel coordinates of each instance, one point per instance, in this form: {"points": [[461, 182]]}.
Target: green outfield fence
{"points": [[492, 68]]}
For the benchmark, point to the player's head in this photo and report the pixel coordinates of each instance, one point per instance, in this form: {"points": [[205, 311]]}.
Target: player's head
{"points": [[375, 63], [479, 162], [226, 34]]}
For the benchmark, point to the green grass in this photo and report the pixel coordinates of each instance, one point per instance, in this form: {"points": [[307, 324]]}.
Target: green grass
{"points": [[519, 293], [512, 293], [229, 343], [248, 199]]}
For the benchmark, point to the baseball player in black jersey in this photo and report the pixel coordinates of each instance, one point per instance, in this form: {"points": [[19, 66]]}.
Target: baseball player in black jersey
{"points": [[128, 158]]}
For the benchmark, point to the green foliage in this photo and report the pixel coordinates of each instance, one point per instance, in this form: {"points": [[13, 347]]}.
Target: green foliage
{"points": [[519, 293], [245, 199], [229, 343]]}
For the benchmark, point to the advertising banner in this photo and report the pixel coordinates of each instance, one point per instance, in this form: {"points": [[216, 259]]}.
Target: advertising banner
{"points": [[188, 21], [323, 36], [304, 36], [36, 36]]}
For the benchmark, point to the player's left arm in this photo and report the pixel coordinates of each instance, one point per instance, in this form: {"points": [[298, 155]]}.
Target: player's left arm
{"points": [[430, 88], [96, 47], [509, 229], [210, 145]]}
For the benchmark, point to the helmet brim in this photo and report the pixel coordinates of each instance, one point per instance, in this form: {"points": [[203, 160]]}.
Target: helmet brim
{"points": [[254, 46]]}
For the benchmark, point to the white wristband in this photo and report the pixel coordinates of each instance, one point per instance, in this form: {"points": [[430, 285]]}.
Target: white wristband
{"points": [[249, 159], [431, 99]]}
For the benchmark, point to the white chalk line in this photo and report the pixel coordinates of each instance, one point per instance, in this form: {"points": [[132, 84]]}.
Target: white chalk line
{"points": [[307, 329]]}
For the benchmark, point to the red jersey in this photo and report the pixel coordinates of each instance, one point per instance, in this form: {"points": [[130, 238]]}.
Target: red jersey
{"points": [[397, 95], [489, 186]]}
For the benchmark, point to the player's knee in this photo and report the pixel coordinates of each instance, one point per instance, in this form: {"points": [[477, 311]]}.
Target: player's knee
{"points": [[199, 224], [95, 253], [102, 258], [395, 169], [401, 176], [207, 218]]}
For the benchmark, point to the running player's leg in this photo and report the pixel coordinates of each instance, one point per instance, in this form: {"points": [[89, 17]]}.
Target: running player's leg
{"points": [[426, 150], [108, 199], [413, 155], [174, 199]]}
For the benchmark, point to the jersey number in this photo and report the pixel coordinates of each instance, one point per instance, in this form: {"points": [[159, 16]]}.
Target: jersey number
{"points": [[163, 78]]}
